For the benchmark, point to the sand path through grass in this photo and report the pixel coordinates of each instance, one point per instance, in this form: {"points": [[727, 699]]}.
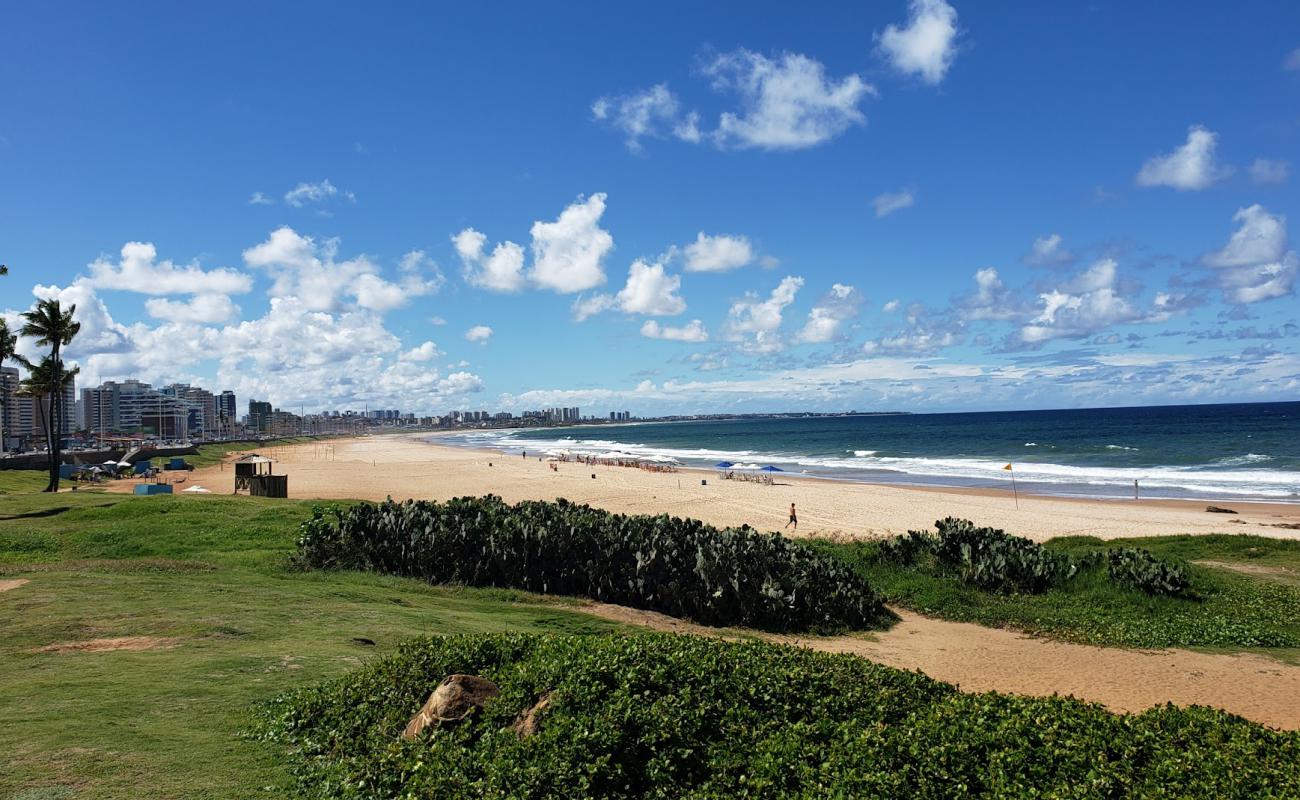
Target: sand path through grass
{"points": [[980, 659]]}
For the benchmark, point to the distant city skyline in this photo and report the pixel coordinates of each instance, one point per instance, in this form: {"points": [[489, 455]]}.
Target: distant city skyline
{"points": [[912, 205]]}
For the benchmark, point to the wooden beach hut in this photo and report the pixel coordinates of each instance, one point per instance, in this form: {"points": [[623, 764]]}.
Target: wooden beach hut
{"points": [[253, 472]]}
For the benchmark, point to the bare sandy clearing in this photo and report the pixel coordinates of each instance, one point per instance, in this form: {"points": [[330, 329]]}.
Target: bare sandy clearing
{"points": [[12, 584], [1264, 571], [116, 643], [980, 659]]}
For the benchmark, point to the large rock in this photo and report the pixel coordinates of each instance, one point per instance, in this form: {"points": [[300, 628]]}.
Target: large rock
{"points": [[530, 721], [456, 698]]}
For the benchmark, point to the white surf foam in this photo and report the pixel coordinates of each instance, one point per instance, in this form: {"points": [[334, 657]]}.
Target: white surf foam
{"points": [[1210, 480]]}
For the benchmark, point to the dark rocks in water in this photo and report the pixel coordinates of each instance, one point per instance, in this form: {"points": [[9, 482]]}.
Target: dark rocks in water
{"points": [[1219, 510], [1295, 526], [456, 698]]}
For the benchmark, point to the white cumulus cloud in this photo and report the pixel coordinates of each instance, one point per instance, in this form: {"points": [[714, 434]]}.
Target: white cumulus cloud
{"points": [[653, 113], [568, 254], [426, 351], [692, 331], [203, 309], [650, 291], [1048, 251], [310, 193], [926, 47], [501, 271], [755, 321], [991, 300], [311, 271], [1192, 166], [718, 253], [139, 270], [1094, 300], [827, 317], [787, 102], [479, 334], [1255, 264]]}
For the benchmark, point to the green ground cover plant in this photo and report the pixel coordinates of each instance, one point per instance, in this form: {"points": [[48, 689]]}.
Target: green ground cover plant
{"points": [[1139, 569], [1225, 609], [682, 567], [665, 716]]}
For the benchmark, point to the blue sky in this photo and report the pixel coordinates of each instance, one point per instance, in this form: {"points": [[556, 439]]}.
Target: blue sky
{"points": [[663, 209]]}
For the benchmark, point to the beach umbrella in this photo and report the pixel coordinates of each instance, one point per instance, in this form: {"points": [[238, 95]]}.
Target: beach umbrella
{"points": [[110, 463], [770, 468], [196, 489], [724, 465]]}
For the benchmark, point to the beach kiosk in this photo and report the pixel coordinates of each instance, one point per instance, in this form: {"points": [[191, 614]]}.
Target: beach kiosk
{"points": [[253, 473]]}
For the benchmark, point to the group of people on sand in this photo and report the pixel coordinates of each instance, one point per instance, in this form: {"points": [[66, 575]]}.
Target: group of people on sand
{"points": [[600, 461], [753, 477]]}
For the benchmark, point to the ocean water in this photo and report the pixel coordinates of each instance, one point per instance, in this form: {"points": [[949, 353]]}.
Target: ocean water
{"points": [[1238, 451]]}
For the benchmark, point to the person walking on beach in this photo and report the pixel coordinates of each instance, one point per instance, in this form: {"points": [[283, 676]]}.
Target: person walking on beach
{"points": [[794, 519]]}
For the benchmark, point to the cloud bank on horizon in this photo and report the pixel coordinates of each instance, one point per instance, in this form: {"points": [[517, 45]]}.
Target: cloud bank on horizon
{"points": [[724, 231]]}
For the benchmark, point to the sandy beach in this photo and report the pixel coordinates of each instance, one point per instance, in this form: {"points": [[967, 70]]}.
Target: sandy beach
{"points": [[408, 466]]}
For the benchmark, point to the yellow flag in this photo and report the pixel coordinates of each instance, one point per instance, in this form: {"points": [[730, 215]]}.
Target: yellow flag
{"points": [[1007, 467]]}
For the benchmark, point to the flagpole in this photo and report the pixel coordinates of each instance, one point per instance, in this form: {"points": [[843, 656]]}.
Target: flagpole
{"points": [[1014, 492]]}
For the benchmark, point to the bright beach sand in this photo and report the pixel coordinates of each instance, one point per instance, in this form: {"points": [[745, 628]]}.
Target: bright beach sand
{"points": [[406, 466]]}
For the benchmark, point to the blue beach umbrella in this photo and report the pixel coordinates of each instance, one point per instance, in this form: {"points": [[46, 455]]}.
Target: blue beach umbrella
{"points": [[723, 465], [770, 468]]}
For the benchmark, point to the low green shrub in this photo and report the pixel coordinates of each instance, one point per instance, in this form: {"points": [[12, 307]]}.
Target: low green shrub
{"points": [[993, 560], [678, 566], [664, 716], [997, 561], [986, 558], [1139, 569], [907, 549]]}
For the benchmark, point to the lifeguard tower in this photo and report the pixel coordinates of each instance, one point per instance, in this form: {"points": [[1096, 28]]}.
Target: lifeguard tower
{"points": [[253, 473]]}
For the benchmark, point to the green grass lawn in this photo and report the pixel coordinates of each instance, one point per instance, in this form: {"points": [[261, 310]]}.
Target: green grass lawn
{"points": [[22, 481], [1230, 611], [209, 572]]}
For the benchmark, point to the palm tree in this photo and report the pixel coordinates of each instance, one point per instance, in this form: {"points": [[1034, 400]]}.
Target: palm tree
{"points": [[37, 386], [7, 343], [54, 328]]}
